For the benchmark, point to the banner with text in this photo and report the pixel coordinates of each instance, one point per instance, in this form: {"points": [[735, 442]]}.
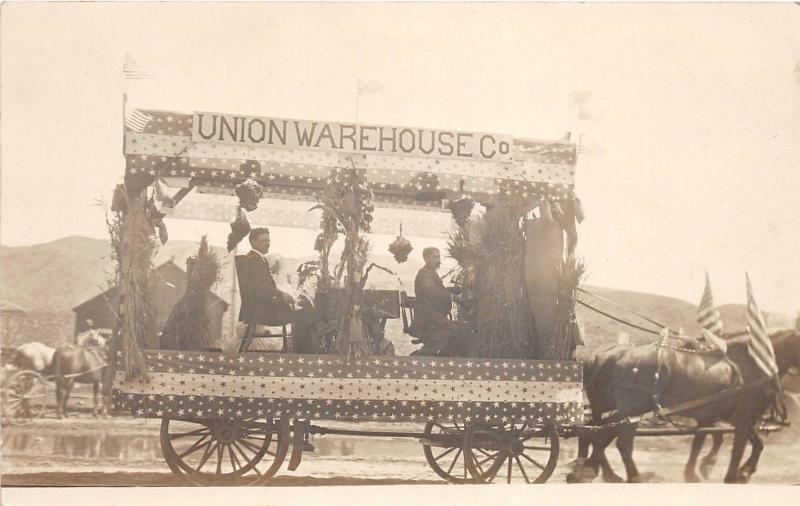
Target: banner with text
{"points": [[349, 137]]}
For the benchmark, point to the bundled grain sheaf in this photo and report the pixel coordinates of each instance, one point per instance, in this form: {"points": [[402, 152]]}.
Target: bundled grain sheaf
{"points": [[489, 251], [187, 327]]}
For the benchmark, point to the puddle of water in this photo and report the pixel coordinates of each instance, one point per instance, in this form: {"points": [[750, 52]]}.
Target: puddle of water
{"points": [[95, 445], [143, 447]]}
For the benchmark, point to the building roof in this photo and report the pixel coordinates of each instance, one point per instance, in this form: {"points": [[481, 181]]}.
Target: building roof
{"points": [[169, 264]]}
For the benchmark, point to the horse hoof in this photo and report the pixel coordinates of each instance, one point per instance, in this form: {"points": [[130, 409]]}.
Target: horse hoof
{"points": [[744, 474], [645, 478], [613, 478], [691, 478], [705, 470], [581, 475]]}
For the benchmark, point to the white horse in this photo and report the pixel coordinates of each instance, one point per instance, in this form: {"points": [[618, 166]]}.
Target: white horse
{"points": [[33, 356]]}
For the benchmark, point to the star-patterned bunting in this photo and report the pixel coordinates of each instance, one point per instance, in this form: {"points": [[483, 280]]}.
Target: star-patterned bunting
{"points": [[208, 385]]}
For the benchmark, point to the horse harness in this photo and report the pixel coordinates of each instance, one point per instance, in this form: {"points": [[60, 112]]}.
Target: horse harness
{"points": [[94, 351], [665, 413]]}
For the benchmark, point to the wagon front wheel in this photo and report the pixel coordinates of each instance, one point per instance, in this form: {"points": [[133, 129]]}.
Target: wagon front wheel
{"points": [[442, 445], [24, 397], [221, 451], [516, 453]]}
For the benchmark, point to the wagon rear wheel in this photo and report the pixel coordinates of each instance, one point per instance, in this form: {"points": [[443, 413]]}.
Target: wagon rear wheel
{"points": [[443, 448], [24, 397], [220, 451], [514, 453]]}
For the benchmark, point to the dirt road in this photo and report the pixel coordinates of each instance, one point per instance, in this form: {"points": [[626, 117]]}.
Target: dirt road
{"points": [[125, 452]]}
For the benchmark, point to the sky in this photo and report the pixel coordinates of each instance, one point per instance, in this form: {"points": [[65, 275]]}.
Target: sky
{"points": [[696, 133]]}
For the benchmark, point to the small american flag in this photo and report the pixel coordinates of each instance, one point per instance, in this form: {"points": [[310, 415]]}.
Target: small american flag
{"points": [[137, 120], [366, 87], [707, 314], [132, 70], [759, 347]]}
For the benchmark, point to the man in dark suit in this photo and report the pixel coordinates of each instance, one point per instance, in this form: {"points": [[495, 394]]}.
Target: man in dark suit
{"points": [[269, 305], [432, 305]]}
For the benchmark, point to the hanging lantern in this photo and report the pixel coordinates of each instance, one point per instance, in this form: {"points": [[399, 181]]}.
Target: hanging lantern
{"points": [[461, 209], [401, 247], [249, 193]]}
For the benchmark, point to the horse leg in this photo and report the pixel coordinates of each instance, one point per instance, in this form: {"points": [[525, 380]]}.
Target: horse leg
{"points": [[59, 396], [96, 399], [689, 474], [625, 446], [574, 476], [739, 441], [68, 384], [707, 462], [749, 467], [598, 460]]}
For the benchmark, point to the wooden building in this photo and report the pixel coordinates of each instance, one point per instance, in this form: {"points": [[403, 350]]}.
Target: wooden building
{"points": [[167, 287]]}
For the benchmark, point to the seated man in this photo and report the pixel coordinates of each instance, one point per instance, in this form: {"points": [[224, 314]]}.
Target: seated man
{"points": [[432, 305], [270, 305]]}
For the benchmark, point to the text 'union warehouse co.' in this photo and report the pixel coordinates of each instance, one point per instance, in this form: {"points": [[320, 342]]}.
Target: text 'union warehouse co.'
{"points": [[348, 137]]}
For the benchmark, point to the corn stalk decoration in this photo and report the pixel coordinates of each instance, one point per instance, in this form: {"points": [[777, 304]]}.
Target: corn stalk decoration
{"points": [[347, 209]]}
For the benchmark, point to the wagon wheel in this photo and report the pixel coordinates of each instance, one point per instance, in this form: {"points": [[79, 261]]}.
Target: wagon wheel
{"points": [[520, 453], [221, 451], [446, 455], [24, 397]]}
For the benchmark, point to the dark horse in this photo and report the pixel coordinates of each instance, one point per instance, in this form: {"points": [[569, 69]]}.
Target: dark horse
{"points": [[84, 364], [624, 381]]}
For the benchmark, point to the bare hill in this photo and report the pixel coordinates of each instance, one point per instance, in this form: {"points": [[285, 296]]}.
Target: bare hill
{"points": [[54, 277]]}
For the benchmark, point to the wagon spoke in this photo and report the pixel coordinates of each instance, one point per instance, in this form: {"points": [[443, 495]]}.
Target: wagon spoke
{"points": [[196, 446], [444, 453], [490, 457], [220, 456], [522, 468], [204, 431], [206, 454], [245, 457], [234, 459], [453, 464], [534, 462], [251, 446], [494, 469]]}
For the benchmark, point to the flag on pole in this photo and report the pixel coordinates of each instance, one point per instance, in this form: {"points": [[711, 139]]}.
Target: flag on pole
{"points": [[366, 87], [579, 99], [132, 70], [707, 314], [137, 121], [759, 347]]}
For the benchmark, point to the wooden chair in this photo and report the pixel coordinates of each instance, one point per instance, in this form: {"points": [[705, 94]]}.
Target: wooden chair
{"points": [[246, 314], [407, 311]]}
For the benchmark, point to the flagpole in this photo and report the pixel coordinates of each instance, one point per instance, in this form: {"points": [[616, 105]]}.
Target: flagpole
{"points": [[358, 96]]}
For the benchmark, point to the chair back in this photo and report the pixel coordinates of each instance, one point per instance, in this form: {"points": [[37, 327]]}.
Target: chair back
{"points": [[243, 278], [406, 310]]}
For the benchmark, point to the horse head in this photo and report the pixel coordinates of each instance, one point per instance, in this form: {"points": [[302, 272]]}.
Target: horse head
{"points": [[787, 350], [95, 340]]}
